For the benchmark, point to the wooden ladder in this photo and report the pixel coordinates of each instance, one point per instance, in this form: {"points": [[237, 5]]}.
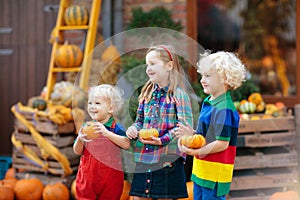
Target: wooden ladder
{"points": [[91, 31]]}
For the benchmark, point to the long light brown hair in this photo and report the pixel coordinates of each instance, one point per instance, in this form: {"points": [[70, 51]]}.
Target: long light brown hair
{"points": [[167, 54]]}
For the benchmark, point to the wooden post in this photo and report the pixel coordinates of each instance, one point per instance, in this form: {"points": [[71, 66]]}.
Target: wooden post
{"points": [[297, 127]]}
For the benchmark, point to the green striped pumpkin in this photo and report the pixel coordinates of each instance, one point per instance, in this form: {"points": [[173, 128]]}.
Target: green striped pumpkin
{"points": [[76, 15], [68, 55]]}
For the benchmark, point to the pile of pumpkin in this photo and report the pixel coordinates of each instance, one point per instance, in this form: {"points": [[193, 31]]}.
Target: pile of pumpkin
{"points": [[256, 104], [30, 188]]}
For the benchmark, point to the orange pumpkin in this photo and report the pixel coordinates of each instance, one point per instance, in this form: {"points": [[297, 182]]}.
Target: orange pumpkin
{"points": [[10, 173], [68, 55], [193, 141], [147, 133], [58, 190], [73, 190], [76, 15], [255, 98], [31, 188], [10, 183], [88, 129], [7, 193], [126, 190], [190, 188], [288, 195]]}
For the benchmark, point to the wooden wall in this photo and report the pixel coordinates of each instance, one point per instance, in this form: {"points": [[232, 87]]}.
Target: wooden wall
{"points": [[25, 27]]}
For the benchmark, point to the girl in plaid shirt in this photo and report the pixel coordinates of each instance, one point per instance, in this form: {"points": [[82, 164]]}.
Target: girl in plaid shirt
{"points": [[159, 170]]}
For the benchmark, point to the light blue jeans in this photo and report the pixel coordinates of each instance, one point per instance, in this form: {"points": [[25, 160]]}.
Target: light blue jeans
{"points": [[202, 193]]}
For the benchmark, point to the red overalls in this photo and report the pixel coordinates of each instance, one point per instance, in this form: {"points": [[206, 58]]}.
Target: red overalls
{"points": [[100, 174]]}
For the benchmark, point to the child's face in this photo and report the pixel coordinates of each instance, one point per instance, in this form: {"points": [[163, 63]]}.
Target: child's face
{"points": [[156, 70], [212, 83], [99, 108]]}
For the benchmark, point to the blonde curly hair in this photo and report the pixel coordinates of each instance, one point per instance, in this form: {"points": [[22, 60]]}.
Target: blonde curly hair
{"points": [[110, 92], [229, 67]]}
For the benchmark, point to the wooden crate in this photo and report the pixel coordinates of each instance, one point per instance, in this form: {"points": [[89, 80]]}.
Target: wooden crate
{"points": [[254, 158], [264, 125], [47, 178], [266, 139], [22, 163], [60, 136], [264, 178], [58, 140], [256, 194], [46, 126]]}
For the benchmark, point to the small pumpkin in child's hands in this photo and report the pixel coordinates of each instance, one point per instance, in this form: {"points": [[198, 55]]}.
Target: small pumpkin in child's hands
{"points": [[193, 141], [147, 133], [89, 130]]}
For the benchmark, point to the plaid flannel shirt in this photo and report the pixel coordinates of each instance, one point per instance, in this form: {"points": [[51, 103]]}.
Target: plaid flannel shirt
{"points": [[159, 114]]}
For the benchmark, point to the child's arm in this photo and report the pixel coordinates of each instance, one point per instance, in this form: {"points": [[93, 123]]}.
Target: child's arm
{"points": [[78, 146], [132, 132], [213, 147], [184, 114], [184, 130], [119, 140], [139, 120], [79, 143]]}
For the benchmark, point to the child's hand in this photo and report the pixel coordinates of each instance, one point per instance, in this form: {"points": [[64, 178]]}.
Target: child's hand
{"points": [[186, 150], [132, 132], [153, 141], [82, 136], [183, 130], [100, 129]]}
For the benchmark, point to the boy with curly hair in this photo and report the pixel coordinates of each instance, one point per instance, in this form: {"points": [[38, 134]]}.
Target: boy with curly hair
{"points": [[218, 122]]}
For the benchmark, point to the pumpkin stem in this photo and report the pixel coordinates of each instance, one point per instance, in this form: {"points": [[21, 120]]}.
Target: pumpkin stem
{"points": [[26, 176]]}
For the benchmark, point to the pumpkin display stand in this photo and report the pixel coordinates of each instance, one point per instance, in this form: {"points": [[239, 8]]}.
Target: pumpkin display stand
{"points": [[42, 148], [266, 160]]}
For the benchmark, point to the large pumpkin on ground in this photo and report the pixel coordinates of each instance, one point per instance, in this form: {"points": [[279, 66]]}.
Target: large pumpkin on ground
{"points": [[6, 193], [31, 188], [7, 189], [76, 15], [193, 141], [54, 191], [68, 55]]}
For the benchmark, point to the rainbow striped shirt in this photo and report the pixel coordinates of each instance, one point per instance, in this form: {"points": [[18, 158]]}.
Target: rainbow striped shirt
{"points": [[218, 120]]}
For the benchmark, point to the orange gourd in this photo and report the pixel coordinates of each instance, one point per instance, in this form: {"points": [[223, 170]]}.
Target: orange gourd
{"points": [[288, 195], [73, 190], [54, 191], [7, 193], [126, 190], [190, 188], [7, 189], [255, 98], [76, 15], [68, 55], [10, 173], [88, 129], [146, 134], [10, 183], [193, 141], [29, 188]]}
